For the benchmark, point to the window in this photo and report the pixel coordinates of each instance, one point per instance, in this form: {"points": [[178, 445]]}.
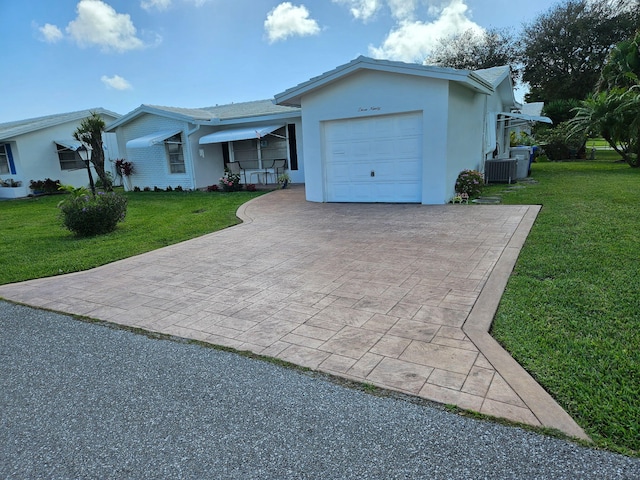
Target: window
{"points": [[175, 154], [4, 159], [69, 159]]}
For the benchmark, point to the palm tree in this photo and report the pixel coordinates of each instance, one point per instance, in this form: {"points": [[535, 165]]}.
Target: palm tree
{"points": [[90, 133], [602, 114]]}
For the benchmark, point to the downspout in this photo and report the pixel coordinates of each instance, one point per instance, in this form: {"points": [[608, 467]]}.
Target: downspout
{"points": [[193, 167]]}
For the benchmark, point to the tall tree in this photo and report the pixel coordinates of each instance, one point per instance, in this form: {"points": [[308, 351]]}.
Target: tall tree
{"points": [[90, 133], [473, 50], [622, 69], [565, 48]]}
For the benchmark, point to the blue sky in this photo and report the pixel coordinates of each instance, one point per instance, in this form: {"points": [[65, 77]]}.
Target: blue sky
{"points": [[75, 54]]}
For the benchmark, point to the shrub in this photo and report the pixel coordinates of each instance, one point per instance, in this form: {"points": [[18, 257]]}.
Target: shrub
{"points": [[136, 189], [147, 189], [45, 186], [123, 167], [560, 143], [100, 184], [251, 187], [179, 188], [86, 215], [230, 182], [213, 188], [157, 189], [470, 182], [169, 189]]}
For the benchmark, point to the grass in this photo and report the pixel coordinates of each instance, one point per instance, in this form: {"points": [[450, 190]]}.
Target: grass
{"points": [[34, 244], [571, 310]]}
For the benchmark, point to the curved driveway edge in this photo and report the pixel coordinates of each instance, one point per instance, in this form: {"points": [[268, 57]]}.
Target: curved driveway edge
{"points": [[398, 296]]}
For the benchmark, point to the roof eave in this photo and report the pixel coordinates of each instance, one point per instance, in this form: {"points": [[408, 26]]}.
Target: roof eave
{"points": [[293, 96], [146, 109], [250, 119]]}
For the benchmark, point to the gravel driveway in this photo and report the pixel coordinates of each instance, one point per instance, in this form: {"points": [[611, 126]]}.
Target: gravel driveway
{"points": [[80, 400]]}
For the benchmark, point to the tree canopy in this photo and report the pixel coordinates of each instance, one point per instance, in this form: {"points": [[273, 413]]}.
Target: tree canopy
{"points": [[90, 133], [564, 49], [473, 50]]}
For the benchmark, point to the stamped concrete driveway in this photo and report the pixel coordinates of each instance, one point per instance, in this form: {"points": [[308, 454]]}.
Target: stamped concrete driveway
{"points": [[399, 296]]}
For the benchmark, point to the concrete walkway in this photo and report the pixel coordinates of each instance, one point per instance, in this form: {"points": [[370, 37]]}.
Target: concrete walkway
{"points": [[399, 296]]}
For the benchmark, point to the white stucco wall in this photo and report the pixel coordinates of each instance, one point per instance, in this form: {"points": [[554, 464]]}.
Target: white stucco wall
{"points": [[369, 93], [466, 134], [151, 164], [35, 155]]}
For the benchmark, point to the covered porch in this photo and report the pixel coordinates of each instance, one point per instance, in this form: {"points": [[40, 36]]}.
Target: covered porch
{"points": [[258, 154]]}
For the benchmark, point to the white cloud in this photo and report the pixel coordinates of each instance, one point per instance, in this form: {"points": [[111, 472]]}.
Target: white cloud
{"points": [[412, 41], [159, 4], [99, 24], [363, 9], [287, 20], [165, 4], [51, 33], [116, 82], [403, 9]]}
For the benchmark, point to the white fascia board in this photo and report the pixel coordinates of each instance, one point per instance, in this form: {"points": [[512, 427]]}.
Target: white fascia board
{"points": [[292, 96], [243, 120], [142, 109]]}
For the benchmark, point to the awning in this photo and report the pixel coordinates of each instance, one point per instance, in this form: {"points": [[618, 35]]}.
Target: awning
{"points": [[152, 139], [238, 134], [528, 118], [70, 144]]}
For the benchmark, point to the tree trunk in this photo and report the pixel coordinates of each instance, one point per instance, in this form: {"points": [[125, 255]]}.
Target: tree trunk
{"points": [[97, 159]]}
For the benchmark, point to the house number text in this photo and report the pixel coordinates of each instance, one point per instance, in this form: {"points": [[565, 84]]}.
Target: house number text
{"points": [[369, 109]]}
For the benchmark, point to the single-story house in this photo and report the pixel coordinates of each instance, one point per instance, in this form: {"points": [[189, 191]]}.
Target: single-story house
{"points": [[190, 147], [385, 131], [367, 131], [44, 147]]}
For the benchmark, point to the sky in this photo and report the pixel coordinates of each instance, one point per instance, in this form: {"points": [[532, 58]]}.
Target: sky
{"points": [[67, 55]]}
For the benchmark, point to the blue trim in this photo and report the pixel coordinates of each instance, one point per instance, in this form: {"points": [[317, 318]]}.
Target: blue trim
{"points": [[12, 166]]}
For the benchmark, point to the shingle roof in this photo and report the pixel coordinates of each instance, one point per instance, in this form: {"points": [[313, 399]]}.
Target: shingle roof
{"points": [[249, 109], [20, 127], [228, 112], [231, 111], [494, 75]]}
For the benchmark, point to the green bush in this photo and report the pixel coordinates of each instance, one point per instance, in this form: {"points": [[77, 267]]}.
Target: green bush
{"points": [[86, 215], [470, 182], [45, 186], [560, 143]]}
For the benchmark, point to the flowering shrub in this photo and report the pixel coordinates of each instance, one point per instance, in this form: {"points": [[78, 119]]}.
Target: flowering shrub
{"points": [[213, 188], [251, 187], [230, 182], [124, 168], [470, 182], [86, 215]]}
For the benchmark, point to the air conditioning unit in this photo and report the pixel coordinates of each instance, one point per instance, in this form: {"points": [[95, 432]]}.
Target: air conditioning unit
{"points": [[500, 171]]}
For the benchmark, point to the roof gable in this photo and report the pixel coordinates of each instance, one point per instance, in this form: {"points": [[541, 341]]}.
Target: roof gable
{"points": [[467, 78], [21, 127], [215, 114]]}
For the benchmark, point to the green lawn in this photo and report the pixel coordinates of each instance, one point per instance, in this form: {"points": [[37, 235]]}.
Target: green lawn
{"points": [[33, 243], [571, 311]]}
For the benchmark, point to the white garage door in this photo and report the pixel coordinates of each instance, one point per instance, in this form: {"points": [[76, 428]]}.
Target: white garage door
{"points": [[374, 159]]}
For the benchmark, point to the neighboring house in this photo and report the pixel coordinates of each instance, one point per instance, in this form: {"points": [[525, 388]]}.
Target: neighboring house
{"points": [[190, 147], [43, 147], [385, 131]]}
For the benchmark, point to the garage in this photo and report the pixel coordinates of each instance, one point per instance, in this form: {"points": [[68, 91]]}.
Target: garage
{"points": [[374, 159]]}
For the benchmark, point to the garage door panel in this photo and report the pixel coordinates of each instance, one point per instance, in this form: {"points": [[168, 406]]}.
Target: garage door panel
{"points": [[394, 192], [390, 146]]}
